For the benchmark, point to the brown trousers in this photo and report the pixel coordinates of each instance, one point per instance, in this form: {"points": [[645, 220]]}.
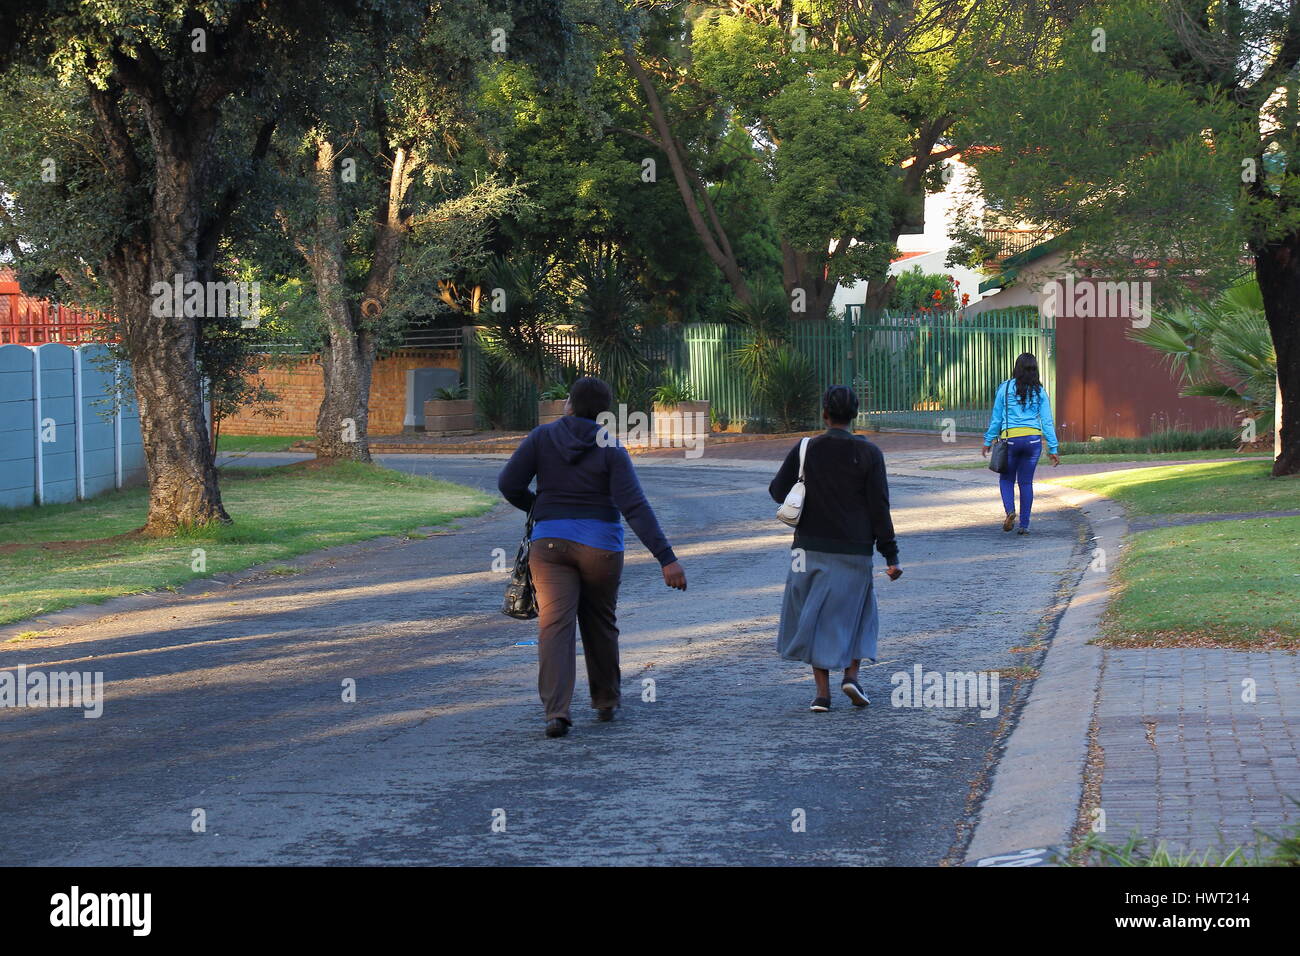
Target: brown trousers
{"points": [[577, 587]]}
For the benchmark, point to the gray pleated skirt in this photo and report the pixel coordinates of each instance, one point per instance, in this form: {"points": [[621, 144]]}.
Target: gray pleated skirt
{"points": [[828, 615]]}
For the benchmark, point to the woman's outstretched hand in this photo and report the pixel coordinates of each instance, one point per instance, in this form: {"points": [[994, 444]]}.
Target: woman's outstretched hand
{"points": [[674, 576]]}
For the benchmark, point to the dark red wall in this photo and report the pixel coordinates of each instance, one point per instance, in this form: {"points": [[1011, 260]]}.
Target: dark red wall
{"points": [[1109, 385]]}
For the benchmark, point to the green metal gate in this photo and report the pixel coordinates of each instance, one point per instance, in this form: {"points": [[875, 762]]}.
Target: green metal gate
{"points": [[910, 371], [916, 370]]}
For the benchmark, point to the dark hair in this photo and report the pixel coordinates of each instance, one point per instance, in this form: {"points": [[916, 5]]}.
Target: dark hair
{"points": [[840, 404], [589, 397], [1026, 376]]}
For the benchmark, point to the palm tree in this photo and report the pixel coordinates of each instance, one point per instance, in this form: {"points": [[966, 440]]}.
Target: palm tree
{"points": [[791, 390], [1222, 349], [522, 309], [607, 315], [767, 319]]}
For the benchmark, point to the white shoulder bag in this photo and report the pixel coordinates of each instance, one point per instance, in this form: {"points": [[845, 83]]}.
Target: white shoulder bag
{"points": [[792, 508]]}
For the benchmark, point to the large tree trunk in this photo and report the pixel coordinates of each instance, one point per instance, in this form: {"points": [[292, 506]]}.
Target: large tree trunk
{"points": [[342, 424], [1277, 267], [183, 489], [807, 273], [879, 290]]}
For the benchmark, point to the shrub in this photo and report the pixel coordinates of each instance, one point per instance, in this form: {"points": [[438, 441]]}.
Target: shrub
{"points": [[674, 390], [1172, 440], [607, 314], [917, 291], [790, 390], [493, 396]]}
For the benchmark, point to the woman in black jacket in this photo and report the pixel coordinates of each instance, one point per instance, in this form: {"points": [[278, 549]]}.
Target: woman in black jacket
{"points": [[828, 616]]}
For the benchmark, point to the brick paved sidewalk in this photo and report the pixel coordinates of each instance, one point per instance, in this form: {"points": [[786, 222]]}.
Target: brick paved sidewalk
{"points": [[1187, 757], [1187, 760]]}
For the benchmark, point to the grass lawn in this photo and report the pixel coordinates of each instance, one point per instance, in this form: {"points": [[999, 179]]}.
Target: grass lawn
{"points": [[1211, 488], [59, 556], [1220, 583], [1045, 467], [259, 442]]}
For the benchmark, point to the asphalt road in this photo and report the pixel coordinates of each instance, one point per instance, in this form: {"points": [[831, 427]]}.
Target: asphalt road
{"points": [[227, 706]]}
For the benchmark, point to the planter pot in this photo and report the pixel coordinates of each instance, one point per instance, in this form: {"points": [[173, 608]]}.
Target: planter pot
{"points": [[549, 411], [443, 417], [683, 422]]}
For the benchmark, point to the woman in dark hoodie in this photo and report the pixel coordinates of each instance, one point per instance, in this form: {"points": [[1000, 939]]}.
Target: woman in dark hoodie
{"points": [[585, 481]]}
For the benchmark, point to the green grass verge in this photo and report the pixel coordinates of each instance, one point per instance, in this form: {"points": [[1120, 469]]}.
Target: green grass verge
{"points": [[1220, 583], [1228, 583], [1045, 468], [59, 556], [1211, 488], [259, 442]]}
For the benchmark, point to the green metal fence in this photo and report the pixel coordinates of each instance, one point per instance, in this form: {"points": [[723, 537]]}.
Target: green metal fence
{"points": [[913, 371], [910, 371]]}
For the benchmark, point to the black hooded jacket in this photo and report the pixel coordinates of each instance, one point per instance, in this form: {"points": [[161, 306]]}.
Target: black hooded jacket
{"points": [[582, 472]]}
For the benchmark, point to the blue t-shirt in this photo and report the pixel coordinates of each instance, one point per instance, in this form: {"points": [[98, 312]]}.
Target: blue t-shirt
{"points": [[593, 532]]}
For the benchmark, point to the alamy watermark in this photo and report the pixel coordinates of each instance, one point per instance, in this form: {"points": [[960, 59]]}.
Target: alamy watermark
{"points": [[918, 688], [76, 908], [672, 429], [24, 688], [177, 298], [1096, 299]]}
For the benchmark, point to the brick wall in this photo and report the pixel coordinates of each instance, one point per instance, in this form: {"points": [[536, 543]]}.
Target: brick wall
{"points": [[300, 387]]}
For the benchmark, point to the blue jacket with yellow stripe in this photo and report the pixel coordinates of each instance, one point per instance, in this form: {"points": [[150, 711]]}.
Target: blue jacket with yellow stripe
{"points": [[1015, 418]]}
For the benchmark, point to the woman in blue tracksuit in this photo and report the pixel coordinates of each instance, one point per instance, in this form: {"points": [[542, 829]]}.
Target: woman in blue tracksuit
{"points": [[1022, 414]]}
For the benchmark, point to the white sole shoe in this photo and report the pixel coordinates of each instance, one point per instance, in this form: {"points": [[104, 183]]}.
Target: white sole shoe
{"points": [[855, 694]]}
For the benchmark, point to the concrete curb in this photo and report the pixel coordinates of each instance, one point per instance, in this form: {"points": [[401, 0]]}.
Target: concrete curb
{"points": [[1038, 785]]}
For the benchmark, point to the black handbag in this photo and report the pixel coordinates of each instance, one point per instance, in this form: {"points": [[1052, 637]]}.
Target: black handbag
{"points": [[521, 596], [999, 450]]}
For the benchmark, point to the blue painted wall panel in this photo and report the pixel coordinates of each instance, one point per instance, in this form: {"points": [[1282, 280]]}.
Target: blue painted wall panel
{"points": [[15, 358], [97, 435], [60, 492], [18, 432], [17, 446], [15, 416], [19, 474], [15, 386]]}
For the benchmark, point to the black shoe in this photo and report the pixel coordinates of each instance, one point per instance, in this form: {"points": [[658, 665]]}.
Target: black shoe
{"points": [[853, 690], [1022, 531], [605, 714], [557, 727], [820, 705]]}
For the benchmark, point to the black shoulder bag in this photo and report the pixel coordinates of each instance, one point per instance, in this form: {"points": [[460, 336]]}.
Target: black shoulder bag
{"points": [[521, 596], [999, 450]]}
